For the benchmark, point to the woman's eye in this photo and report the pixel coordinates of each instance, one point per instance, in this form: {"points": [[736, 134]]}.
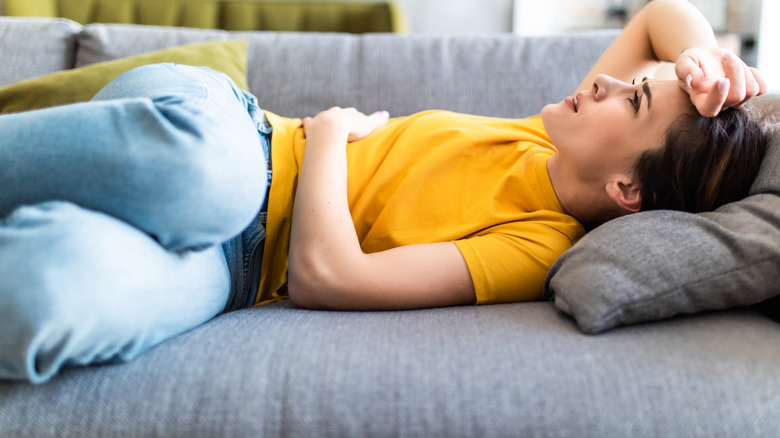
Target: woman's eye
{"points": [[635, 101]]}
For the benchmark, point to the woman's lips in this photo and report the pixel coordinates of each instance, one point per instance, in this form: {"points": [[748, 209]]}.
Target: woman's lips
{"points": [[571, 103], [574, 102]]}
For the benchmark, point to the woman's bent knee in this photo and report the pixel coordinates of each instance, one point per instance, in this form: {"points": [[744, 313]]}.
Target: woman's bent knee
{"points": [[218, 178], [202, 149]]}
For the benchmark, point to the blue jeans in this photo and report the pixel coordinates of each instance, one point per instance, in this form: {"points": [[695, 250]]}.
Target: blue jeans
{"points": [[127, 220]]}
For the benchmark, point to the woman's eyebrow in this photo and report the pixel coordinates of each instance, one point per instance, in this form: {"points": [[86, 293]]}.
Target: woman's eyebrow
{"points": [[646, 89]]}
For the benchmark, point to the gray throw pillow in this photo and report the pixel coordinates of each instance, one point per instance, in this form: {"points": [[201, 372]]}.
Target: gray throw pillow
{"points": [[658, 264]]}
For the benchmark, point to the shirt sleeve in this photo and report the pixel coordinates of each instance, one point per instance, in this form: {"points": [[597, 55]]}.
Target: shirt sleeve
{"points": [[510, 263]]}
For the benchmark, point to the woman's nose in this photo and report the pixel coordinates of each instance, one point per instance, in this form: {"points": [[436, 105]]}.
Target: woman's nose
{"points": [[602, 84]]}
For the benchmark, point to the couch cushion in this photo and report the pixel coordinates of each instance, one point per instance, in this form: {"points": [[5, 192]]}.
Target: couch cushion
{"points": [[659, 264], [385, 72], [34, 47], [80, 84], [503, 370], [104, 42]]}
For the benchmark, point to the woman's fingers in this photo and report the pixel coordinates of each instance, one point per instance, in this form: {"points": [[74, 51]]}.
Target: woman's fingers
{"points": [[752, 88], [762, 85], [710, 102], [366, 124], [734, 70], [380, 116], [688, 70], [746, 82]]}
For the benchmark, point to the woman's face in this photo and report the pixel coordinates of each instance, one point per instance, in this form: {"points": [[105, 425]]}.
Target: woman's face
{"points": [[600, 132]]}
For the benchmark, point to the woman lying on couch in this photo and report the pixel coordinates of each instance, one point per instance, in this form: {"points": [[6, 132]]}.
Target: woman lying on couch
{"points": [[142, 214]]}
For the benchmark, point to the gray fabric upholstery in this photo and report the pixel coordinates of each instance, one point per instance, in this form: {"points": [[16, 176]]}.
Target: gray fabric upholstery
{"points": [[49, 45], [407, 75], [659, 264], [502, 370], [103, 42], [505, 370], [296, 74]]}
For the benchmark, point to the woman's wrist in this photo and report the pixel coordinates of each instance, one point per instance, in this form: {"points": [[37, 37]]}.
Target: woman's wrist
{"points": [[325, 132]]}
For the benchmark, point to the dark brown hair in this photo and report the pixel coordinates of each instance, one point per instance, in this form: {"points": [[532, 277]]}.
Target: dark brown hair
{"points": [[705, 162]]}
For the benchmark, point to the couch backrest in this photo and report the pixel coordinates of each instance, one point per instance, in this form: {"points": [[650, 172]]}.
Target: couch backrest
{"points": [[296, 74], [35, 47]]}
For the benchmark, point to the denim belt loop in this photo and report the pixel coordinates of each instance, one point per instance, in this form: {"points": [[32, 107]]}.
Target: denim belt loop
{"points": [[266, 131]]}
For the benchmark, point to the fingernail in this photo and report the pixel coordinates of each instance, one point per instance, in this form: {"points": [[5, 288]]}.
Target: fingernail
{"points": [[723, 85], [385, 114], [729, 56], [688, 80]]}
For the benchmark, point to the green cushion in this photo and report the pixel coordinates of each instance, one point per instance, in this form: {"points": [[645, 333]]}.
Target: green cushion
{"points": [[80, 84]]}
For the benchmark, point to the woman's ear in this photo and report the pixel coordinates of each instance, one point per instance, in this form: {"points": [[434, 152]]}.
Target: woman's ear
{"points": [[625, 193]]}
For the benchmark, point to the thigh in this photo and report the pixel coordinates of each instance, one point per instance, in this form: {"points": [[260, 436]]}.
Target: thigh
{"points": [[170, 149], [82, 287]]}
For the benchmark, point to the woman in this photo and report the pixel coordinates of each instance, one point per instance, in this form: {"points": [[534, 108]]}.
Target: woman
{"points": [[108, 241], [599, 132]]}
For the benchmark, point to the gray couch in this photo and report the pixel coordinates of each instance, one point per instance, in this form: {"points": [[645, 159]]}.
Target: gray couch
{"points": [[524, 370]]}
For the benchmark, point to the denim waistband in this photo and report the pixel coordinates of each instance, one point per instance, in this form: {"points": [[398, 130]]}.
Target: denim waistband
{"points": [[244, 253]]}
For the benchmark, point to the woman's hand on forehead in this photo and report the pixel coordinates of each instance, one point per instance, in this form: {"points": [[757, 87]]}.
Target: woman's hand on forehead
{"points": [[717, 79]]}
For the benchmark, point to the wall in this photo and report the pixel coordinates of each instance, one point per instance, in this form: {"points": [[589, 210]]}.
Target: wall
{"points": [[535, 17], [522, 16], [458, 16], [768, 42]]}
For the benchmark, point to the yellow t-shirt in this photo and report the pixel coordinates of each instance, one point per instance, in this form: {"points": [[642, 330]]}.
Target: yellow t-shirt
{"points": [[438, 176]]}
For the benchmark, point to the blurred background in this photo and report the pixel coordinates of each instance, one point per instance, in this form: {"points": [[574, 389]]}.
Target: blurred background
{"points": [[741, 25]]}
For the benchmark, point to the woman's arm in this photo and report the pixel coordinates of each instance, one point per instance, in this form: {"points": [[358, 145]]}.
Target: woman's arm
{"points": [[327, 267], [675, 31]]}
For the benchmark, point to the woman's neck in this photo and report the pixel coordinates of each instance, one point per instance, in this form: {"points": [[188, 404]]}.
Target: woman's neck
{"points": [[586, 202]]}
